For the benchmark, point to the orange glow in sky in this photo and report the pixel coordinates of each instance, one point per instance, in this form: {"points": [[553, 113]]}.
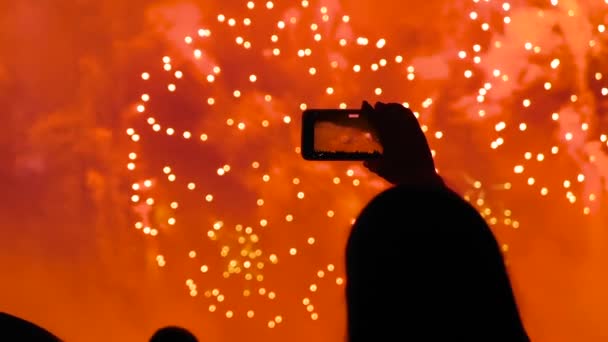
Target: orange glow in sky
{"points": [[157, 179]]}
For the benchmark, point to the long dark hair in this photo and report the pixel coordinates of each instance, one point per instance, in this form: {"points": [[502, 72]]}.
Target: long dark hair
{"points": [[422, 265]]}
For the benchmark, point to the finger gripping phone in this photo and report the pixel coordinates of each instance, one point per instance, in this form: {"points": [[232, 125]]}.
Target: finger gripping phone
{"points": [[338, 135]]}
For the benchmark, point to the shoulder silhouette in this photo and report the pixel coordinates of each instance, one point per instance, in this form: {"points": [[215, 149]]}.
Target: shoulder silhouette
{"points": [[17, 329]]}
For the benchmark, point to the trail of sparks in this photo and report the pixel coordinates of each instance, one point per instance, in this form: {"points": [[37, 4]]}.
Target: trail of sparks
{"points": [[282, 60]]}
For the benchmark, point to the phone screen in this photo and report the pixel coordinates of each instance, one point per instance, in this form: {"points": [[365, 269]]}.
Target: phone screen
{"points": [[338, 135]]}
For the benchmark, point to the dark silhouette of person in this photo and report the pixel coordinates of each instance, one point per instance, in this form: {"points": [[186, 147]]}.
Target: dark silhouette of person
{"points": [[17, 329], [173, 334], [421, 263]]}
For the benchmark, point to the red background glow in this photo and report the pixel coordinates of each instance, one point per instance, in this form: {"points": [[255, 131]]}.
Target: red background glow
{"points": [[151, 175]]}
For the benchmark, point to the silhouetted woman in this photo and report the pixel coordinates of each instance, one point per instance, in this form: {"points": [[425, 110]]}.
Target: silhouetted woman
{"points": [[422, 264]]}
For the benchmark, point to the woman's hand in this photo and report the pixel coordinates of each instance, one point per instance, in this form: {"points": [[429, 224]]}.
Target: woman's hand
{"points": [[406, 156]]}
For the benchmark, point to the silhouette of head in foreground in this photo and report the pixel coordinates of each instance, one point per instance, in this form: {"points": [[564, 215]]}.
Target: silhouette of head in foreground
{"points": [[421, 263], [17, 329], [173, 334]]}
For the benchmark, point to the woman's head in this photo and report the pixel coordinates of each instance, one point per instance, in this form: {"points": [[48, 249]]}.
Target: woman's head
{"points": [[173, 334]]}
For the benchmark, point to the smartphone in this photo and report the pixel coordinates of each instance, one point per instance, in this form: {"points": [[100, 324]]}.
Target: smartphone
{"points": [[338, 134]]}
